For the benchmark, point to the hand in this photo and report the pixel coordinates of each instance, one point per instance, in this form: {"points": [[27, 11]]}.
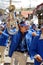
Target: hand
{"points": [[34, 34], [8, 24], [38, 58], [0, 32]]}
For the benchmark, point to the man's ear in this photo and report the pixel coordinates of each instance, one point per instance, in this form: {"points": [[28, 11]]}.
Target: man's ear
{"points": [[19, 25]]}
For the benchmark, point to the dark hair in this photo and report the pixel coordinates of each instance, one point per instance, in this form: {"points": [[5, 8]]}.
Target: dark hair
{"points": [[33, 25], [22, 22]]}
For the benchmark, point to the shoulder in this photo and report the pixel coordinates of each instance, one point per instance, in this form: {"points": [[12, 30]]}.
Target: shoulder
{"points": [[29, 34], [17, 35], [32, 30], [37, 37], [29, 31]]}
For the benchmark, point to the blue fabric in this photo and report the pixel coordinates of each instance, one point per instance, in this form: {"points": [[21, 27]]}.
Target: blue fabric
{"points": [[23, 25], [37, 32], [13, 30], [28, 39], [6, 31], [30, 27], [36, 48], [3, 39], [22, 46], [16, 43]]}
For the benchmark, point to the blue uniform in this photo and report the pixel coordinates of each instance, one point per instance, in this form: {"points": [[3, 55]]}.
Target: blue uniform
{"points": [[6, 31], [12, 31], [34, 31], [3, 39], [17, 44], [36, 48], [28, 39]]}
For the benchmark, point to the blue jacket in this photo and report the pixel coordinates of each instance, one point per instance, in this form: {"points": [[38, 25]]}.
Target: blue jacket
{"points": [[36, 48], [16, 43], [3, 39], [34, 31], [29, 38]]}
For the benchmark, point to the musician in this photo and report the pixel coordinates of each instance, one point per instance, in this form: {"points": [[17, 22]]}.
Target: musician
{"points": [[36, 49], [18, 47], [3, 43]]}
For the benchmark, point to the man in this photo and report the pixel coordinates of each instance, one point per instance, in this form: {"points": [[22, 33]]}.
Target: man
{"points": [[34, 31], [36, 49], [31, 34], [18, 47], [3, 43]]}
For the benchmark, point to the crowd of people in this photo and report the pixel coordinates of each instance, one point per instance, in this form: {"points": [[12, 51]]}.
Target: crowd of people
{"points": [[27, 41]]}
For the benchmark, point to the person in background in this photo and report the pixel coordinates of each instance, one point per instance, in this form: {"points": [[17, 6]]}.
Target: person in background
{"points": [[33, 27], [3, 43], [18, 47], [30, 35], [34, 31], [36, 48], [1, 27], [27, 21]]}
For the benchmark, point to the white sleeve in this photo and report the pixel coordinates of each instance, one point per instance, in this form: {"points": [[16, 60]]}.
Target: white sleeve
{"points": [[36, 55]]}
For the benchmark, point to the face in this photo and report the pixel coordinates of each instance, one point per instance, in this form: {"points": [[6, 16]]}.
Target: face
{"points": [[23, 29], [34, 27], [27, 27]]}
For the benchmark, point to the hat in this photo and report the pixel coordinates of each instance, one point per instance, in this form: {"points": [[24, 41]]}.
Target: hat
{"points": [[33, 25], [23, 23]]}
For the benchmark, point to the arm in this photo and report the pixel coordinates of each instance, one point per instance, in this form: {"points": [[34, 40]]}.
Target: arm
{"points": [[14, 44], [33, 47], [34, 50], [28, 39], [4, 35]]}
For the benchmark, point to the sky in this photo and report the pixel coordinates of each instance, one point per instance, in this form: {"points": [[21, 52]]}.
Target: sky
{"points": [[20, 3]]}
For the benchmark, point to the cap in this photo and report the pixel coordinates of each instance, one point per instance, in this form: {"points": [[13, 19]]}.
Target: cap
{"points": [[33, 25], [23, 23]]}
